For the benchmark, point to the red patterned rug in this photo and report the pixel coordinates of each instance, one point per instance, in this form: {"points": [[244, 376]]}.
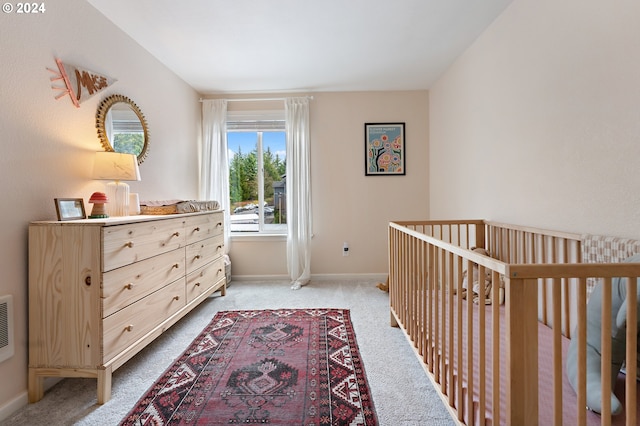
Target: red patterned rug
{"points": [[279, 367]]}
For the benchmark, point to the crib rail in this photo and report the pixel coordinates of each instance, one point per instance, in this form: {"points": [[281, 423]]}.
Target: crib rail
{"points": [[475, 355]]}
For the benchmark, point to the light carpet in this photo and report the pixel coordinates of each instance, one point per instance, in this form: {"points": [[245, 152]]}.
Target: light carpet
{"points": [[401, 391]]}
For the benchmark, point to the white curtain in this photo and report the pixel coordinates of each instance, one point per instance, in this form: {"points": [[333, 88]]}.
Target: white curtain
{"points": [[214, 162], [299, 225]]}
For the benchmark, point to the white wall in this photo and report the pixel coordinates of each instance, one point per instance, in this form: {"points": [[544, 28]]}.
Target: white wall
{"points": [[538, 123], [347, 205], [47, 145]]}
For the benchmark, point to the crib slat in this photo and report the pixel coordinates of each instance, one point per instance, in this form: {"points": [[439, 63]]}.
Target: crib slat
{"points": [[442, 320], [631, 355], [582, 352], [605, 344], [481, 344], [420, 265], [495, 341], [469, 325], [434, 319], [428, 318], [450, 354], [459, 355], [565, 288], [557, 352]]}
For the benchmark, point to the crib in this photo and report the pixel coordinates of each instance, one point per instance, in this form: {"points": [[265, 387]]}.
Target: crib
{"points": [[504, 363]]}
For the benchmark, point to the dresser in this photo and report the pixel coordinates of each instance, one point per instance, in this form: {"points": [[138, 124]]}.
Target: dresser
{"points": [[100, 290]]}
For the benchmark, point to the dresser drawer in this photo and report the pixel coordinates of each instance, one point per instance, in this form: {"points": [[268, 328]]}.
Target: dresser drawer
{"points": [[125, 244], [203, 252], [200, 227], [131, 323], [124, 286], [204, 278]]}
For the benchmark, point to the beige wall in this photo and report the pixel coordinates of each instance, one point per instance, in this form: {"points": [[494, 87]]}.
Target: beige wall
{"points": [[47, 145], [538, 122], [347, 205]]}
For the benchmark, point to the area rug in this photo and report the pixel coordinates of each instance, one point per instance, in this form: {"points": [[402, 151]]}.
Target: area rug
{"points": [[279, 367]]}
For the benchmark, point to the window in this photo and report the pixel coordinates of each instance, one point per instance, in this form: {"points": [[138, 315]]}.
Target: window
{"points": [[257, 176], [127, 133]]}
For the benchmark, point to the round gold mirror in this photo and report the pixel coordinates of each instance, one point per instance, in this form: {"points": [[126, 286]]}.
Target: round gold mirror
{"points": [[122, 127]]}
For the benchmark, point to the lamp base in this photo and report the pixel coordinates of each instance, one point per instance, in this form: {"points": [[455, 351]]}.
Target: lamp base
{"points": [[118, 195]]}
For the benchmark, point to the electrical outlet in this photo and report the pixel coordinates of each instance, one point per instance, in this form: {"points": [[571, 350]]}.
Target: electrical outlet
{"points": [[345, 249]]}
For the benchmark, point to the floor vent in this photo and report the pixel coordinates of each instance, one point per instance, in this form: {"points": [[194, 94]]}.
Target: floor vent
{"points": [[6, 327]]}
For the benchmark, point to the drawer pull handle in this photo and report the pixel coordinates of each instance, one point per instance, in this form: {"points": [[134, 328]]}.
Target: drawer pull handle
{"points": [[197, 284], [219, 247], [196, 229], [129, 244], [219, 224], [197, 257], [219, 270], [128, 328], [175, 265], [128, 286], [176, 297], [87, 280], [176, 234]]}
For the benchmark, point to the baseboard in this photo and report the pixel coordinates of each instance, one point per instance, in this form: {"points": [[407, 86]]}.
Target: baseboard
{"points": [[274, 278], [22, 399], [314, 277], [349, 277], [8, 409]]}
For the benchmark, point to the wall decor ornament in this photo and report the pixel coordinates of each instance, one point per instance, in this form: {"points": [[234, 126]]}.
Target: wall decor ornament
{"points": [[384, 146], [80, 84]]}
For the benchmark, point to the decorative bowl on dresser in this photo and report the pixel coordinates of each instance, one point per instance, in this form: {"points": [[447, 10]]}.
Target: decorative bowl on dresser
{"points": [[100, 290]]}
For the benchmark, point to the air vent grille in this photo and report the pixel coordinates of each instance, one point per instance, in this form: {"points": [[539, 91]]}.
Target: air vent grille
{"points": [[6, 327]]}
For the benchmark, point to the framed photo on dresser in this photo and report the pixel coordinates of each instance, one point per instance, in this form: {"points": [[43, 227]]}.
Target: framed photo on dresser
{"points": [[70, 208]]}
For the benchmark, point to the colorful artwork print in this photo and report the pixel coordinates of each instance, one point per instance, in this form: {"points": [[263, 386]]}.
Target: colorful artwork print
{"points": [[384, 149]]}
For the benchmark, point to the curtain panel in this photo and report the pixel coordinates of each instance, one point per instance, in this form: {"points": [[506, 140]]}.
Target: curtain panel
{"points": [[214, 159], [299, 220]]}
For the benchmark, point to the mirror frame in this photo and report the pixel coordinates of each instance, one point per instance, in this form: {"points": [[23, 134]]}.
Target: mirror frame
{"points": [[101, 116]]}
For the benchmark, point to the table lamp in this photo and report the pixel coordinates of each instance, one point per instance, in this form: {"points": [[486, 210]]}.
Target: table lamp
{"points": [[118, 168]]}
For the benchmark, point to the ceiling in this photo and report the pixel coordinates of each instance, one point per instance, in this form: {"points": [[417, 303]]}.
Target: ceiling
{"points": [[263, 46]]}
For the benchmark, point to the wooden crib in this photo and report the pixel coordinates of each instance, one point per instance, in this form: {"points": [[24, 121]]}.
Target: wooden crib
{"points": [[505, 363]]}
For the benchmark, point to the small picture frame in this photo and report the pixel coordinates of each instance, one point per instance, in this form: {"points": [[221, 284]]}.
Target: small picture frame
{"points": [[384, 147], [70, 208]]}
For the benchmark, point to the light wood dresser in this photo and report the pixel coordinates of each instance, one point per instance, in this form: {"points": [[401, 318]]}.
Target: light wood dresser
{"points": [[100, 290]]}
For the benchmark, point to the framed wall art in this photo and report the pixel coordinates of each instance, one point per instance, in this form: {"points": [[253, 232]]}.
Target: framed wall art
{"points": [[70, 208], [384, 147]]}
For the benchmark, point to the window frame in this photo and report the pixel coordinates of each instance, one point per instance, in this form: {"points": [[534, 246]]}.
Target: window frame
{"points": [[258, 123]]}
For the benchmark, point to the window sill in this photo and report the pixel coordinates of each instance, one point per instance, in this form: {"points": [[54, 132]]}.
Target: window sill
{"points": [[262, 237]]}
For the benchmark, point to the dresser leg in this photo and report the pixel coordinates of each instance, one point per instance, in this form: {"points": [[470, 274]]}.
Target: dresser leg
{"points": [[104, 385], [35, 386], [223, 290]]}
